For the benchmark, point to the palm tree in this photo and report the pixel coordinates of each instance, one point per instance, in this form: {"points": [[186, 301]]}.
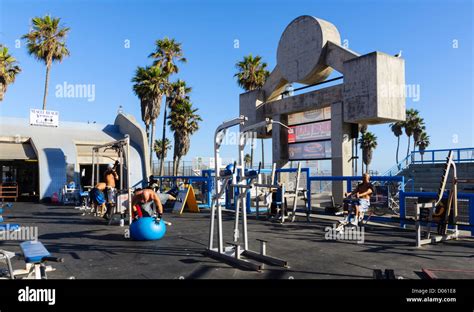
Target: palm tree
{"points": [[423, 142], [252, 75], [362, 129], [142, 92], [418, 128], [158, 152], [183, 121], [397, 129], [368, 142], [8, 70], [409, 125], [167, 53], [149, 85], [176, 92], [247, 160], [46, 41]]}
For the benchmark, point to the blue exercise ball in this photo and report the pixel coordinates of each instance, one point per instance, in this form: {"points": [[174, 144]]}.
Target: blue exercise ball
{"points": [[147, 228]]}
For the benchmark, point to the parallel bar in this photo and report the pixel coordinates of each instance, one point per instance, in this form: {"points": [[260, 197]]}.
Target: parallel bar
{"points": [[233, 260], [264, 258]]}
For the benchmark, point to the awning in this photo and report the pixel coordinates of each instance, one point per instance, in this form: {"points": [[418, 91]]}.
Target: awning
{"points": [[84, 155], [13, 151]]}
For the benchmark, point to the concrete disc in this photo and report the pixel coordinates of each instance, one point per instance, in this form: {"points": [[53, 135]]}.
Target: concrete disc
{"points": [[300, 53]]}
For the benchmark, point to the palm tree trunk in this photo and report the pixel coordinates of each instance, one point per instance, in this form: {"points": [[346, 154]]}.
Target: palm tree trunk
{"points": [[46, 83], [147, 129], [408, 148], [176, 161], [398, 148], [163, 139], [152, 138], [2, 91]]}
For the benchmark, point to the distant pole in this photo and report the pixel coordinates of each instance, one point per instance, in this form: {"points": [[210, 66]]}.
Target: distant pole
{"points": [[263, 154]]}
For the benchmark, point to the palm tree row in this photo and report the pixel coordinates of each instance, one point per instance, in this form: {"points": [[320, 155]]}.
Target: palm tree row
{"points": [[150, 85], [414, 125]]}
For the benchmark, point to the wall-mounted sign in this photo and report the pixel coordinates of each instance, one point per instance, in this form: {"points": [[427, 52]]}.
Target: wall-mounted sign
{"points": [[310, 116], [310, 132], [39, 117], [310, 150]]}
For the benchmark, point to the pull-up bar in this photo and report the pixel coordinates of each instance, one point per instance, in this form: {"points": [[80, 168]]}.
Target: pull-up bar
{"points": [[123, 152]]}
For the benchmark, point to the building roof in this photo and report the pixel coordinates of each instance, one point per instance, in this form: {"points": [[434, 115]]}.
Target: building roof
{"points": [[57, 148]]}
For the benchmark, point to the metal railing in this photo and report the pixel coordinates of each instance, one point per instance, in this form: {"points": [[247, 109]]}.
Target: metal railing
{"points": [[461, 155], [469, 214]]}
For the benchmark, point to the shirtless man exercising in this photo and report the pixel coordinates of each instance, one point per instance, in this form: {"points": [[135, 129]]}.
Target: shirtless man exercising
{"points": [[110, 176], [142, 202]]}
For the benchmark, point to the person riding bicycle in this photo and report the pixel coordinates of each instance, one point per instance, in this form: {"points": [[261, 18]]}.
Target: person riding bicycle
{"points": [[362, 192]]}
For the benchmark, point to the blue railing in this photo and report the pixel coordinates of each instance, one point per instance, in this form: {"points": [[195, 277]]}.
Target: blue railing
{"points": [[461, 155], [206, 187], [433, 195]]}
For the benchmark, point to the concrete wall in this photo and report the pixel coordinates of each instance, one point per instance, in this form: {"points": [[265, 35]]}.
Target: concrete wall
{"points": [[374, 89]]}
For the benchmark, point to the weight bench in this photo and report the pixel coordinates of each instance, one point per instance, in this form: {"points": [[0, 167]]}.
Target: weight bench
{"points": [[35, 255]]}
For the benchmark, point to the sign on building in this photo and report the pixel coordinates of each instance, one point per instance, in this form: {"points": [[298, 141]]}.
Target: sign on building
{"points": [[310, 132], [45, 118], [309, 116], [309, 136], [310, 150]]}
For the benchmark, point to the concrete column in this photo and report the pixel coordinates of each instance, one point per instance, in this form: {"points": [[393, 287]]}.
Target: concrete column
{"points": [[341, 150], [280, 141]]}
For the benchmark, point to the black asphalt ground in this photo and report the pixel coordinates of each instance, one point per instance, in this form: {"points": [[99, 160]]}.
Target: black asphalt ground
{"points": [[93, 249]]}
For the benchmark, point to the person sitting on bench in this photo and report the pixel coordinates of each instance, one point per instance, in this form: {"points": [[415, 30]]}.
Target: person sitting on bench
{"points": [[142, 202], [362, 192], [98, 199]]}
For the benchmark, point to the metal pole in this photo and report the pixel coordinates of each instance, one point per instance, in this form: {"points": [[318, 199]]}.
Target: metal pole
{"points": [[418, 226], [97, 167], [93, 168], [129, 190], [121, 167]]}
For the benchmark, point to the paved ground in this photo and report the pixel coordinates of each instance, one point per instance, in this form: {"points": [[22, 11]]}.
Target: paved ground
{"points": [[95, 250]]}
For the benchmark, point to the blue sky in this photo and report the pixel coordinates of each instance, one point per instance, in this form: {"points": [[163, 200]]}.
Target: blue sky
{"points": [[424, 30]]}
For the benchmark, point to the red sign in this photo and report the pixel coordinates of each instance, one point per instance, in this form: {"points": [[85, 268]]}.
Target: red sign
{"points": [[310, 132]]}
